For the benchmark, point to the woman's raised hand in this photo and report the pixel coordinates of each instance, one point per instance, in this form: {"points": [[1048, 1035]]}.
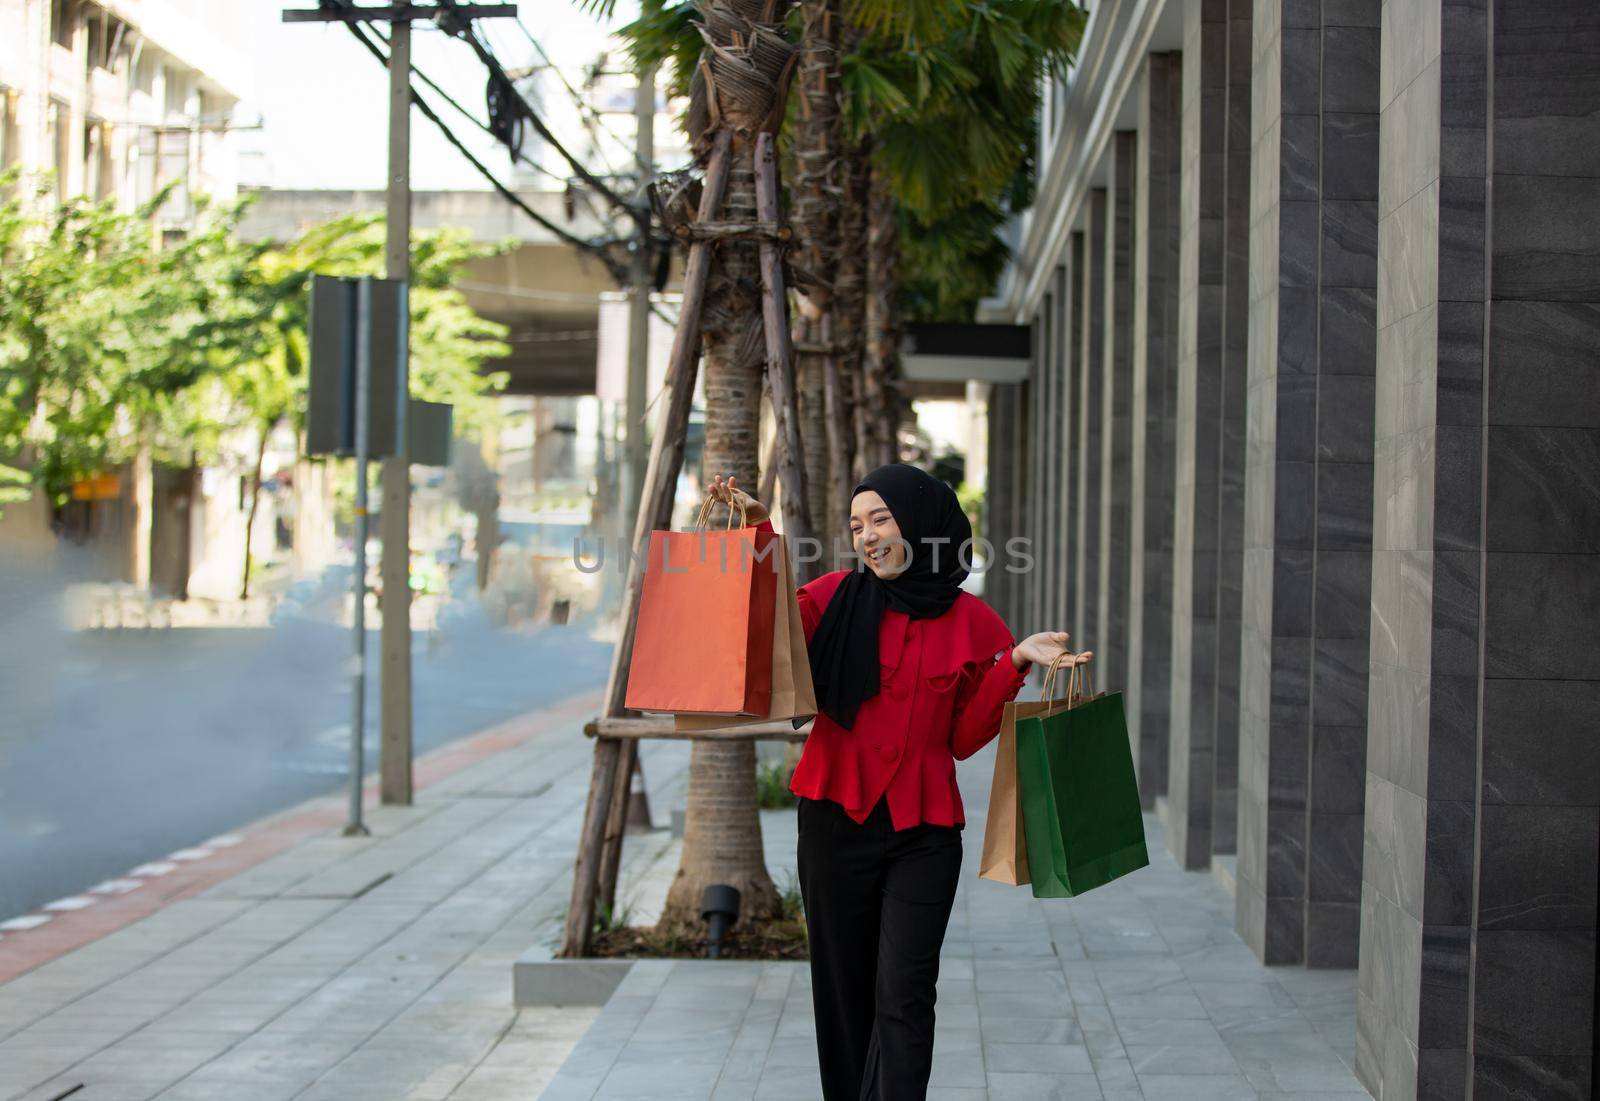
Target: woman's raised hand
{"points": [[726, 491], [1044, 647]]}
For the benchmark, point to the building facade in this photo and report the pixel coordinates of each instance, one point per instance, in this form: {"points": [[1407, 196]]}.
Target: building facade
{"points": [[119, 99], [116, 101], [1309, 455]]}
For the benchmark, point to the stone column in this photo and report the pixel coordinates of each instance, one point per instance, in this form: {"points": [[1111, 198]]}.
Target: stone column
{"points": [[1060, 545], [1073, 453], [1039, 394], [996, 478], [1308, 484], [1016, 498], [1116, 445], [1155, 337], [1197, 414], [1037, 412], [1008, 477], [1477, 962], [1048, 550], [1084, 570], [1230, 427], [1090, 424]]}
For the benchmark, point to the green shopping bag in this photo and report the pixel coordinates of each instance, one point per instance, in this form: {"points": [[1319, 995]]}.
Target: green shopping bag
{"points": [[1080, 801]]}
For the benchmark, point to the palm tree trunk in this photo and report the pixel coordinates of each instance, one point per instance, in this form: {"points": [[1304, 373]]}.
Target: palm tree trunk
{"points": [[849, 311], [739, 87], [722, 825], [883, 320], [816, 200]]}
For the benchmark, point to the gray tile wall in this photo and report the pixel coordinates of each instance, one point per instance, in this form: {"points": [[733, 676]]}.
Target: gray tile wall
{"points": [[1049, 395], [1155, 340], [1059, 546], [1090, 416], [1116, 452], [1038, 485], [1477, 969], [1308, 493], [1197, 435], [1084, 266], [1230, 447], [1075, 453], [994, 521], [1050, 547]]}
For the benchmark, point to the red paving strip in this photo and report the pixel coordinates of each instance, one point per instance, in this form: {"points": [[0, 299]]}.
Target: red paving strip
{"points": [[22, 951]]}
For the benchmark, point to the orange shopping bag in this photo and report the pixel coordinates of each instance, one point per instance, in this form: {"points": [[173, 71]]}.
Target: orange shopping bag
{"points": [[704, 637]]}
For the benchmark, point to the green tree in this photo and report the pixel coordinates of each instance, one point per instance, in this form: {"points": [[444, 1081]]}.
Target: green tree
{"points": [[103, 335], [938, 99], [450, 343], [113, 345]]}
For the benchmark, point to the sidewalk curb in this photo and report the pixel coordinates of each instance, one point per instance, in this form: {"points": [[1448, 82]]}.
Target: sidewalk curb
{"points": [[118, 903]]}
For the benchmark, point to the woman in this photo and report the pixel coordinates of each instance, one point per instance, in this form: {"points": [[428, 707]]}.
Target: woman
{"points": [[911, 675]]}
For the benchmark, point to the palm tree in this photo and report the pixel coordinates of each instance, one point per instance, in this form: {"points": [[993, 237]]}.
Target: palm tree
{"points": [[816, 154], [738, 87], [935, 84], [957, 75]]}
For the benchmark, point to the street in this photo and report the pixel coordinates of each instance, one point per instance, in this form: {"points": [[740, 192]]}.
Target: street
{"points": [[124, 746]]}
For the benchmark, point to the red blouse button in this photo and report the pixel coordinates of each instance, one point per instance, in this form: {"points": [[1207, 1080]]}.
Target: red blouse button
{"points": [[888, 752]]}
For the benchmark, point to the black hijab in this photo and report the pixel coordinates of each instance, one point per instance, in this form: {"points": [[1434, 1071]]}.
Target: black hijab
{"points": [[844, 647]]}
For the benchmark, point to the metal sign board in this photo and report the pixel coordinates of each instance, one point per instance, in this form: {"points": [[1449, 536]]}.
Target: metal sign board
{"points": [[331, 414], [428, 433]]}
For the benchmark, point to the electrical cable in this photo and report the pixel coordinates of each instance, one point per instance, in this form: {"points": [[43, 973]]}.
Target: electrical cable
{"points": [[584, 107], [599, 249], [463, 29]]}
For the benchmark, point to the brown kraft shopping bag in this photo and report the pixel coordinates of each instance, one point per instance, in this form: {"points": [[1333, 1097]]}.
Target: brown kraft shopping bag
{"points": [[1005, 847], [703, 641], [793, 695]]}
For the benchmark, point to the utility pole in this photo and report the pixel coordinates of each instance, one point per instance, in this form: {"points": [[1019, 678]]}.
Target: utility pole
{"points": [[644, 110], [394, 748], [395, 745]]}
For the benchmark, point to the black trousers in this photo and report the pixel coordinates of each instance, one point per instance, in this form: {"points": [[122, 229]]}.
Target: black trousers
{"points": [[877, 904]]}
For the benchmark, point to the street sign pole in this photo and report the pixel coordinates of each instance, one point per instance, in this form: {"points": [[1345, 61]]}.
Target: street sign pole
{"points": [[395, 746], [358, 694], [394, 752]]}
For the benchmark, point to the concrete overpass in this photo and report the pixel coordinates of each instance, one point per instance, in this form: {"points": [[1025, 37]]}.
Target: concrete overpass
{"points": [[546, 292]]}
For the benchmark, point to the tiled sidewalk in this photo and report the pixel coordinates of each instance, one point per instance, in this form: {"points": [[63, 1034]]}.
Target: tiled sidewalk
{"points": [[343, 969], [379, 969], [1138, 990]]}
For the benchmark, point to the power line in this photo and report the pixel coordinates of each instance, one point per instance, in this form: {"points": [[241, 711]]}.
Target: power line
{"points": [[464, 30], [599, 249], [516, 154], [583, 105]]}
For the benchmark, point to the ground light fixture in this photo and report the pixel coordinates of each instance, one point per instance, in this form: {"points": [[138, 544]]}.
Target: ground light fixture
{"points": [[720, 909]]}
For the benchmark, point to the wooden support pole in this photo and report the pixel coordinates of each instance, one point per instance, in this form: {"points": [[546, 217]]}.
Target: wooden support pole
{"points": [[836, 418], [600, 849], [578, 937], [725, 231], [660, 726], [797, 519]]}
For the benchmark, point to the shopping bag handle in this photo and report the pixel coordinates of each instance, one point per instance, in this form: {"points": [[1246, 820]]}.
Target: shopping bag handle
{"points": [[705, 513], [1079, 686], [1050, 676], [1080, 683]]}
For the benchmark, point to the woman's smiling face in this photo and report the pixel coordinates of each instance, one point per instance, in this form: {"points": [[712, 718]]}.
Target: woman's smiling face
{"points": [[876, 536]]}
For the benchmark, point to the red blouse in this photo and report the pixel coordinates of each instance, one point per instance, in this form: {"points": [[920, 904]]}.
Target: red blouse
{"points": [[937, 704]]}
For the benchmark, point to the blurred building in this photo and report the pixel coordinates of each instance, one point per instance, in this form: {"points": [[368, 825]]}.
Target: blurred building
{"points": [[121, 98], [116, 101]]}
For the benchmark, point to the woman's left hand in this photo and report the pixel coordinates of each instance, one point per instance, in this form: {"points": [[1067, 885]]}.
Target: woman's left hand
{"points": [[1043, 648]]}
